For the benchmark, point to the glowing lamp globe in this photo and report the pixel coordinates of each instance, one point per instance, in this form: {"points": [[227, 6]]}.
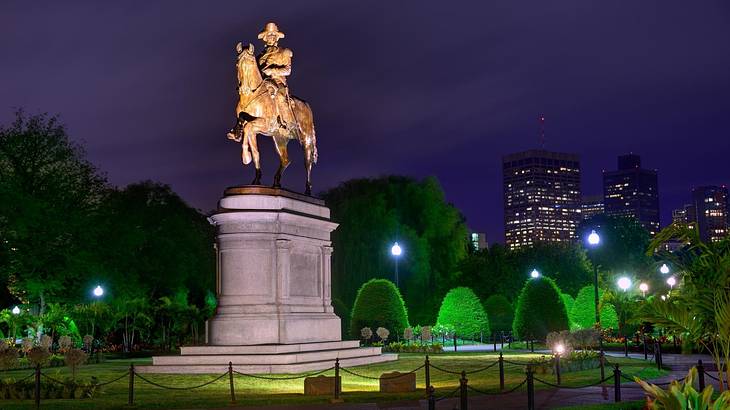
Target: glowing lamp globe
{"points": [[624, 283], [535, 274], [643, 288], [559, 349], [16, 310], [593, 238], [664, 269], [396, 249], [98, 291], [671, 282]]}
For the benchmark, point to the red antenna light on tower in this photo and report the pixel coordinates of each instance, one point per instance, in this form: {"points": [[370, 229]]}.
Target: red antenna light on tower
{"points": [[541, 118]]}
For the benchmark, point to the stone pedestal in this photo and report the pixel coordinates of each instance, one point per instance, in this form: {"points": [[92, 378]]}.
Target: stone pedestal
{"points": [[273, 269], [273, 283]]}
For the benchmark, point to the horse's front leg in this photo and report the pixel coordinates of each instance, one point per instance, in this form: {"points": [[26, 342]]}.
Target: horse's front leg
{"points": [[249, 135], [281, 143]]}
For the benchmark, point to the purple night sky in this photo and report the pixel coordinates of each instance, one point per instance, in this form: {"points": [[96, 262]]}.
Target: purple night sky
{"points": [[417, 88]]}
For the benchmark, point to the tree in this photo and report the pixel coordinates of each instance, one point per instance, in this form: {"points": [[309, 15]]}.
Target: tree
{"points": [[569, 302], [373, 213], [378, 304], [566, 264], [500, 313], [583, 313], [51, 194], [540, 310], [462, 311], [623, 241], [699, 308]]}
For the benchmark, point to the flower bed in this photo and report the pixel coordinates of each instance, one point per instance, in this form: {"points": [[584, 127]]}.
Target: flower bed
{"points": [[399, 347], [70, 389]]}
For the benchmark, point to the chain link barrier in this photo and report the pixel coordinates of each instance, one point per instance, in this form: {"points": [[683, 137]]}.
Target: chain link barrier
{"points": [[446, 396], [180, 388], [348, 371], [486, 393], [712, 377], [560, 386], [21, 380], [115, 380], [301, 376]]}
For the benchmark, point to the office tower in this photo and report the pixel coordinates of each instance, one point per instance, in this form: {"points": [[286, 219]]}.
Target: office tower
{"points": [[632, 191], [541, 197], [710, 206], [591, 205]]}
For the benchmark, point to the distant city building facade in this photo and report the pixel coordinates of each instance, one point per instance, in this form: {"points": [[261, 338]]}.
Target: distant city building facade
{"points": [[542, 197], [591, 206], [632, 191], [710, 205], [478, 241]]}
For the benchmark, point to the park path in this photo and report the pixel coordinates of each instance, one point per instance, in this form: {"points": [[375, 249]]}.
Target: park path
{"points": [[544, 398]]}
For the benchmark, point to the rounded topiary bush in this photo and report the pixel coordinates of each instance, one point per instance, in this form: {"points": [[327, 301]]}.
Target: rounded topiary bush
{"points": [[540, 310], [378, 304], [583, 313], [462, 311], [499, 312]]}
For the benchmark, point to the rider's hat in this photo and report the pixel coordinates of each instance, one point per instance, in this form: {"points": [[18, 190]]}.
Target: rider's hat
{"points": [[271, 28]]}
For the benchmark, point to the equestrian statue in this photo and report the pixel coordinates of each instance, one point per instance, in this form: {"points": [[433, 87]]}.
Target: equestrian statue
{"points": [[265, 106]]}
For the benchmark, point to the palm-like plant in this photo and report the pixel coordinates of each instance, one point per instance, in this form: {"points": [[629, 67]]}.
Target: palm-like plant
{"points": [[683, 395], [700, 308]]}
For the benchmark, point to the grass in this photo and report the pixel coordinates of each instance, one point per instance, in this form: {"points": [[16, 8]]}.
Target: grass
{"points": [[259, 392]]}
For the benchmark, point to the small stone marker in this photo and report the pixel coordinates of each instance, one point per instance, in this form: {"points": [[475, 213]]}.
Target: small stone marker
{"points": [[396, 382], [320, 385]]}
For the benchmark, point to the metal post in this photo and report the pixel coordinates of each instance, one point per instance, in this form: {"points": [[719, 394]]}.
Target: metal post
{"points": [[431, 398], [595, 299], [646, 351], [557, 367], [532, 346], [658, 355], [454, 341], [530, 389], [481, 337], [626, 346], [494, 340], [230, 382], [602, 363], [37, 392], [616, 384], [501, 372], [701, 373], [427, 366], [337, 378], [463, 392], [130, 400], [501, 340]]}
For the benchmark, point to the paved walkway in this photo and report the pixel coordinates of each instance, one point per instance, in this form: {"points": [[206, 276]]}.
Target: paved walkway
{"points": [[544, 398]]}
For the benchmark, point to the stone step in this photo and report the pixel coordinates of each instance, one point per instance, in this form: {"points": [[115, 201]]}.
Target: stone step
{"points": [[287, 368], [257, 359], [269, 349]]}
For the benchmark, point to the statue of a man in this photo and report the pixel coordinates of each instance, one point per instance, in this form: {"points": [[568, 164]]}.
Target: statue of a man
{"points": [[275, 65]]}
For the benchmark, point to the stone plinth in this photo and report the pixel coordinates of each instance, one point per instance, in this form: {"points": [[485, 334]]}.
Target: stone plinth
{"points": [[273, 269], [396, 382], [319, 386]]}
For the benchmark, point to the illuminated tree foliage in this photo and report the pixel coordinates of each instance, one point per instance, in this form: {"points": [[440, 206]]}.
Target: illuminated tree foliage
{"points": [[462, 311], [378, 304], [583, 313], [540, 310], [499, 312]]}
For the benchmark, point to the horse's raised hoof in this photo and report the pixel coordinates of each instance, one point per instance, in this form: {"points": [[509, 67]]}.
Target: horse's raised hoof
{"points": [[308, 190]]}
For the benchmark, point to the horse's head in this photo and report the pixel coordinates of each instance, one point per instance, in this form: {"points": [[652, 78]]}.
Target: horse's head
{"points": [[248, 69]]}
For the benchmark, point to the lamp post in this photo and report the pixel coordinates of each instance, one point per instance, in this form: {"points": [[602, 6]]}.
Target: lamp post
{"points": [[664, 269], [534, 274], [98, 291], [396, 251], [16, 310], [643, 287], [593, 241], [624, 283]]}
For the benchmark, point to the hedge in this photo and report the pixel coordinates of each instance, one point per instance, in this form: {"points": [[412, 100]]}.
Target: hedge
{"points": [[583, 313], [462, 311], [378, 304], [540, 310]]}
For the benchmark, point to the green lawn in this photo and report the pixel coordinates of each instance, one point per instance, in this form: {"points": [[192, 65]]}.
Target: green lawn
{"points": [[251, 391]]}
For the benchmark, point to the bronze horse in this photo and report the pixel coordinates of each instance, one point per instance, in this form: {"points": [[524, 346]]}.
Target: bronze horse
{"points": [[256, 113]]}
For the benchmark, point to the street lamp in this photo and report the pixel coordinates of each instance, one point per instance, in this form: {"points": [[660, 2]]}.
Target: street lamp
{"points": [[664, 269], [535, 274], [643, 288], [16, 310], [624, 283], [396, 251], [593, 241], [98, 291], [671, 282], [593, 238]]}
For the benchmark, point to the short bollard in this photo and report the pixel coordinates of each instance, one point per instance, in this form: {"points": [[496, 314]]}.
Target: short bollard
{"points": [[701, 373], [557, 367], [130, 399], [230, 382], [501, 372], [37, 392], [464, 402], [530, 389], [431, 398], [427, 367], [616, 384], [337, 379]]}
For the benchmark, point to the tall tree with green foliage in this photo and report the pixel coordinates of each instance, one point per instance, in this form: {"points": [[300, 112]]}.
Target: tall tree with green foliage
{"points": [[583, 312], [540, 310], [378, 304], [500, 313], [462, 311], [622, 245], [374, 213]]}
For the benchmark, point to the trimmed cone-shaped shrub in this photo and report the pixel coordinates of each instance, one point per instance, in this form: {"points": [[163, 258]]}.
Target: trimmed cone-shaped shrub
{"points": [[500, 313], [569, 301], [540, 310], [378, 304], [583, 313], [462, 311]]}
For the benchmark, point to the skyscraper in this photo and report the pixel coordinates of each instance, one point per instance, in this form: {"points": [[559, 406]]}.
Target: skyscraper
{"points": [[541, 197], [711, 206], [632, 191], [591, 205]]}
